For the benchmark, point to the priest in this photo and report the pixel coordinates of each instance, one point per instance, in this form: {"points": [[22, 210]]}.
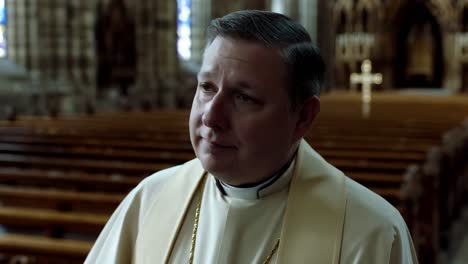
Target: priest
{"points": [[257, 192]]}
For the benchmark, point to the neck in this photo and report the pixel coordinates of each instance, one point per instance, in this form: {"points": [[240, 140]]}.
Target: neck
{"points": [[271, 179], [274, 176]]}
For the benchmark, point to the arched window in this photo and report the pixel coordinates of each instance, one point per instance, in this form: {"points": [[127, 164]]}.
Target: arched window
{"points": [[184, 41], [3, 20]]}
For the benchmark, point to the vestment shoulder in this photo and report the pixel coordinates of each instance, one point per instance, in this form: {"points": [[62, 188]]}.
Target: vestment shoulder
{"points": [[374, 230], [371, 204], [116, 242]]}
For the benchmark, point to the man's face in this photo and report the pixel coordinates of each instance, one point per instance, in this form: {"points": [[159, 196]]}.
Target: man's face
{"points": [[241, 125]]}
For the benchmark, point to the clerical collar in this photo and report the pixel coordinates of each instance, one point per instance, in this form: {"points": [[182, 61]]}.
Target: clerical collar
{"points": [[277, 182]]}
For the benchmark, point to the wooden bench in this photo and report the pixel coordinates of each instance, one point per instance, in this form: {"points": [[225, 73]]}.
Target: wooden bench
{"points": [[82, 164], [374, 152], [59, 199], [68, 180], [42, 250], [51, 222]]}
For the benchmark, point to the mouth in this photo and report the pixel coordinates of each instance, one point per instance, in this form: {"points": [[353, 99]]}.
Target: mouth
{"points": [[217, 144]]}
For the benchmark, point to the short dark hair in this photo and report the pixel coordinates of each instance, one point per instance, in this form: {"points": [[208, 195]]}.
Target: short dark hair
{"points": [[305, 64]]}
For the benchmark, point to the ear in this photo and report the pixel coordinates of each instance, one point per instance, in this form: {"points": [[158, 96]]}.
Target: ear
{"points": [[307, 115]]}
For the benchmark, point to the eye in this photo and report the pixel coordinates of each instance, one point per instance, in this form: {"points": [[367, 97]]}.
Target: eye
{"points": [[244, 98], [205, 87]]}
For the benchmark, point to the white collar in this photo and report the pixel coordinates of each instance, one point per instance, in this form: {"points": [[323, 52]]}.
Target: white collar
{"points": [[272, 185]]}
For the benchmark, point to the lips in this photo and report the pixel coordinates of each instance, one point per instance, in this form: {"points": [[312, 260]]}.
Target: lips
{"points": [[218, 144]]}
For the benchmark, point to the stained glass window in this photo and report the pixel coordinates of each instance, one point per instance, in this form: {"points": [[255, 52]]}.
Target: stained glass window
{"points": [[2, 29], [183, 28]]}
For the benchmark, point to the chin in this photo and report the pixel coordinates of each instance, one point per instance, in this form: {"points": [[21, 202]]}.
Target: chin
{"points": [[214, 167], [220, 168]]}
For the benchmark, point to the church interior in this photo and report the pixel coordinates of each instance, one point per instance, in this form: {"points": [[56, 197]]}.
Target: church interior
{"points": [[95, 95]]}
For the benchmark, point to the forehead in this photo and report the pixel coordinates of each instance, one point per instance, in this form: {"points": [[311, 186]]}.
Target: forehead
{"points": [[240, 57]]}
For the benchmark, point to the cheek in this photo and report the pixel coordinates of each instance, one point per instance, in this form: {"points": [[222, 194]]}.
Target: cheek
{"points": [[196, 111], [263, 133], [194, 122], [257, 132]]}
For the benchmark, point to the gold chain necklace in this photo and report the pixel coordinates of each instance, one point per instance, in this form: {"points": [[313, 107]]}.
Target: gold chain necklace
{"points": [[195, 229]]}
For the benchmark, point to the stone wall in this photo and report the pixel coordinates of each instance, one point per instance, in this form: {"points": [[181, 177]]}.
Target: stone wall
{"points": [[55, 40]]}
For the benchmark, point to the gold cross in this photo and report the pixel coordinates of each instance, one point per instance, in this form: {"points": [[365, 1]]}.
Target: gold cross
{"points": [[366, 78]]}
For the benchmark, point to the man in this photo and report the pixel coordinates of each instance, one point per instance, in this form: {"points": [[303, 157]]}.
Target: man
{"points": [[257, 192]]}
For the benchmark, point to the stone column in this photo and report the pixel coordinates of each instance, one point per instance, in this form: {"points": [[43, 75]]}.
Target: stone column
{"points": [[303, 11], [276, 6], [45, 40], [308, 17], [88, 45], [167, 58], [80, 53], [147, 47], [454, 59], [201, 17], [291, 9], [10, 32], [54, 40], [16, 30], [34, 51], [62, 36], [326, 40]]}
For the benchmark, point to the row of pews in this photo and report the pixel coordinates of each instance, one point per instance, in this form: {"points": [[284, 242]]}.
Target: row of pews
{"points": [[60, 179]]}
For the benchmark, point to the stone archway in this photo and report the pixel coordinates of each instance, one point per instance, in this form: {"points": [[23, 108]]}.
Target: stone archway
{"points": [[419, 51]]}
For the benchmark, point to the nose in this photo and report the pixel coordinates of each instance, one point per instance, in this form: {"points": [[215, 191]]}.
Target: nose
{"points": [[215, 114]]}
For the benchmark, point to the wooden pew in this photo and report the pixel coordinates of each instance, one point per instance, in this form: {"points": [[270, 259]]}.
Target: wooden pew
{"points": [[42, 250], [52, 222], [83, 164], [79, 181], [351, 146], [59, 199]]}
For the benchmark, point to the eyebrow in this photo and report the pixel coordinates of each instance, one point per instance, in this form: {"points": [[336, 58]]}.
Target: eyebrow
{"points": [[244, 85], [204, 74]]}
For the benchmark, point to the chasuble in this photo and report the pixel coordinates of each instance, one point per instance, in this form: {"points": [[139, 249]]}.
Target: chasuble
{"points": [[318, 214]]}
